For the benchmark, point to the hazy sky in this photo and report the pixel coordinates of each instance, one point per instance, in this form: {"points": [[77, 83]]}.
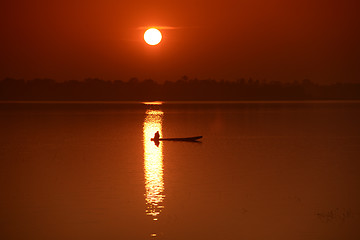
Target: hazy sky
{"points": [[264, 39]]}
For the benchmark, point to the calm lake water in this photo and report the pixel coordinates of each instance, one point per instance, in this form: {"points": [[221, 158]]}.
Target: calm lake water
{"points": [[262, 171]]}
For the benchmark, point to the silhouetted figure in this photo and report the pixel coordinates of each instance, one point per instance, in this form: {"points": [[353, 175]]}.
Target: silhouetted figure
{"points": [[157, 136]]}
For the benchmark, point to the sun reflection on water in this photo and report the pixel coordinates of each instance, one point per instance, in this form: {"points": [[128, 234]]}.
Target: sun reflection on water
{"points": [[153, 164]]}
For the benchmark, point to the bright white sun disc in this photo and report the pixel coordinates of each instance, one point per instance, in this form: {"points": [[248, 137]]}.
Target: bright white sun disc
{"points": [[152, 36]]}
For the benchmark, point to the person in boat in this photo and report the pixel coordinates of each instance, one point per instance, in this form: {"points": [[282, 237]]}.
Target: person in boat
{"points": [[157, 136]]}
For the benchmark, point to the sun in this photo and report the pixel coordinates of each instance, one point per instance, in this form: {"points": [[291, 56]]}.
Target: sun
{"points": [[152, 36]]}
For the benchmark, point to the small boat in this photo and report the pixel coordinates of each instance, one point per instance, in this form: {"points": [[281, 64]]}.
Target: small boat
{"points": [[157, 138], [187, 139]]}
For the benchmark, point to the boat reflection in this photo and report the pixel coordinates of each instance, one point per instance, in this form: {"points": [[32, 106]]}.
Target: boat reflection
{"points": [[153, 164]]}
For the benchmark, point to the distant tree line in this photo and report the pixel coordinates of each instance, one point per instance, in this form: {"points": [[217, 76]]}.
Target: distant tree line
{"points": [[94, 89]]}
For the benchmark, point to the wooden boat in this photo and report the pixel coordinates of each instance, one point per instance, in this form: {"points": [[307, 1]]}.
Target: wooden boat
{"points": [[187, 139], [157, 138]]}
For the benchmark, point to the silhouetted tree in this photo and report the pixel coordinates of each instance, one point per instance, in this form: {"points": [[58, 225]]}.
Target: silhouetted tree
{"points": [[182, 89]]}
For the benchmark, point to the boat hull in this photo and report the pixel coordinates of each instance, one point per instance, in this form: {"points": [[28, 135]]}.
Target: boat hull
{"points": [[188, 139]]}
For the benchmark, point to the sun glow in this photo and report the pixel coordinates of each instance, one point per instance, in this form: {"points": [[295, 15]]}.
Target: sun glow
{"points": [[152, 36], [153, 164]]}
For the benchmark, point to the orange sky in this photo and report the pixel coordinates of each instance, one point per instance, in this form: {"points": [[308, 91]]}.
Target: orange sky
{"points": [[264, 39]]}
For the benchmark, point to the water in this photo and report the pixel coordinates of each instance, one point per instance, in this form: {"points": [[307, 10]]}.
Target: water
{"points": [[263, 171]]}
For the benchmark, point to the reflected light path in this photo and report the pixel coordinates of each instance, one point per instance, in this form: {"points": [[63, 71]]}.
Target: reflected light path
{"points": [[153, 164]]}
